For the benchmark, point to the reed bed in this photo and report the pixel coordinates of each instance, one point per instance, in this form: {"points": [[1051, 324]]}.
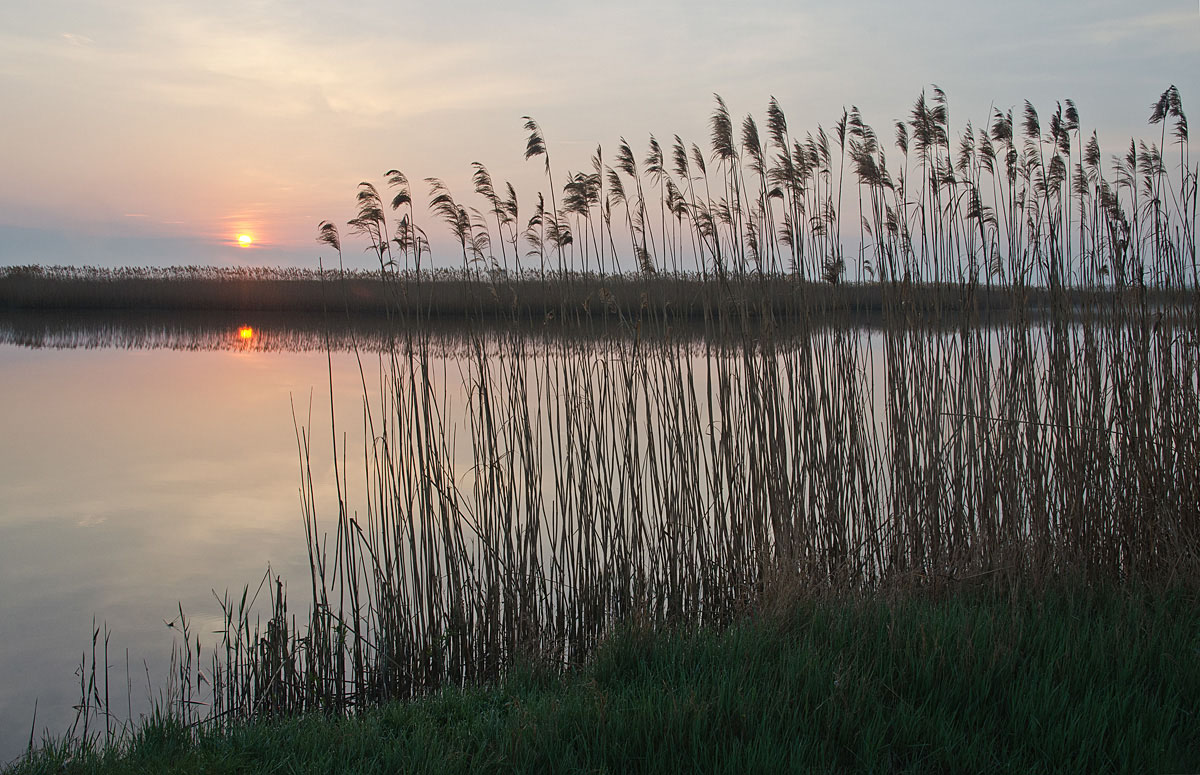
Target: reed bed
{"points": [[456, 295], [667, 480]]}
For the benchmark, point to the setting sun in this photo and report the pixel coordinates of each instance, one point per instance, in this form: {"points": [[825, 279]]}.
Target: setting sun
{"points": [[244, 240], [246, 333]]}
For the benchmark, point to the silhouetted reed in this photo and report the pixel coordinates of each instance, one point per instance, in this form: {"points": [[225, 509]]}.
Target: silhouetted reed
{"points": [[667, 480]]}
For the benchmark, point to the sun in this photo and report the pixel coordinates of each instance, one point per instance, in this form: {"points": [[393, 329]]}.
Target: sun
{"points": [[244, 240]]}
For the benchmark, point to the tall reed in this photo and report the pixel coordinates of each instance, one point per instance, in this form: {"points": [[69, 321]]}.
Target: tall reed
{"points": [[664, 479]]}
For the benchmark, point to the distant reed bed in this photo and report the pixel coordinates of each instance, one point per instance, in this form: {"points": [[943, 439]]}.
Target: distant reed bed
{"points": [[664, 480], [455, 294]]}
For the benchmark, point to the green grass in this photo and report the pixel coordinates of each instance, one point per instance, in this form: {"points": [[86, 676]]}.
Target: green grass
{"points": [[1079, 681]]}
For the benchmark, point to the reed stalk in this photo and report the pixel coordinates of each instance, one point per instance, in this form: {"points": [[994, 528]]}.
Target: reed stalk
{"points": [[650, 477]]}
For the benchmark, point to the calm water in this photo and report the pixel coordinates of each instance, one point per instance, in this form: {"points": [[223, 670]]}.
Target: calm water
{"points": [[150, 461], [135, 481]]}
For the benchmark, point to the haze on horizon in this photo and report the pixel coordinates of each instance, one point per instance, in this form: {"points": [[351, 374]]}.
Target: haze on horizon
{"points": [[158, 132]]}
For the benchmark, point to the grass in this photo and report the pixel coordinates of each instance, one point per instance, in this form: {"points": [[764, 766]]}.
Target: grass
{"points": [[1070, 680]]}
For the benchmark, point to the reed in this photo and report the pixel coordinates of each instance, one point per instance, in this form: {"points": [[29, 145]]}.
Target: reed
{"points": [[666, 480]]}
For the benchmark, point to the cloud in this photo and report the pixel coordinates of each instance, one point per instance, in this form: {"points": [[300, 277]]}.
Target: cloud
{"points": [[77, 40], [219, 58], [1178, 28], [209, 60]]}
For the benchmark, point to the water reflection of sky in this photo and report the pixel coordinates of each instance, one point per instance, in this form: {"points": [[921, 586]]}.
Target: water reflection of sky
{"points": [[132, 481], [149, 462], [260, 331]]}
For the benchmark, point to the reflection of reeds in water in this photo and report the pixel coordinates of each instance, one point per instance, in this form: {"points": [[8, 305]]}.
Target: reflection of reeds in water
{"points": [[661, 481], [198, 331]]}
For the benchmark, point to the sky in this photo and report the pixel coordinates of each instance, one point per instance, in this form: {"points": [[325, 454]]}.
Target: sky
{"points": [[155, 132]]}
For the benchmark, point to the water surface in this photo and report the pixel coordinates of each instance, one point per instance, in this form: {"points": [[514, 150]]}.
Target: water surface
{"points": [[134, 481], [150, 460]]}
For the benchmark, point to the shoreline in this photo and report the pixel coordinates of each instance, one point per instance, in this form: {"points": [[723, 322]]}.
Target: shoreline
{"points": [[450, 295], [971, 679]]}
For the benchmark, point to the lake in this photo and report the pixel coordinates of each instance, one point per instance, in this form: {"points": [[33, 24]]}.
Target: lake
{"points": [[521, 488], [135, 480], [150, 461]]}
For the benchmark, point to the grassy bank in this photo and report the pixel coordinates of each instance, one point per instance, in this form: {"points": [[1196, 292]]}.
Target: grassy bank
{"points": [[974, 681]]}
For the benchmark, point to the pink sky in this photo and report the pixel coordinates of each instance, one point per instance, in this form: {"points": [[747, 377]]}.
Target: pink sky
{"points": [[157, 132]]}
